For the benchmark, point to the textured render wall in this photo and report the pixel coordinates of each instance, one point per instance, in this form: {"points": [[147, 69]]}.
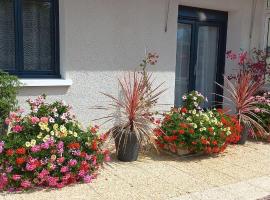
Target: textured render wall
{"points": [[102, 38]]}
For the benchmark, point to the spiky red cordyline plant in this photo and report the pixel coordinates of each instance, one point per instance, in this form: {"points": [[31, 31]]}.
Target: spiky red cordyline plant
{"points": [[241, 94], [134, 108]]}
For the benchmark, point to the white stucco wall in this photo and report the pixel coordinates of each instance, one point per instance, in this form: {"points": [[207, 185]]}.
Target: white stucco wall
{"points": [[99, 39]]}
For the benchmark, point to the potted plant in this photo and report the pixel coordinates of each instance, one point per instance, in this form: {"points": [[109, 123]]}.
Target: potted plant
{"points": [[241, 94], [134, 125]]}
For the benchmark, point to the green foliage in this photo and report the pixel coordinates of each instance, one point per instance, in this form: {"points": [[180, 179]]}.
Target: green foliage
{"points": [[9, 86]]}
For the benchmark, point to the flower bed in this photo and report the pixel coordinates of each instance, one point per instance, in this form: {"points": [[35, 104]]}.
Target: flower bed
{"points": [[48, 148], [192, 129]]}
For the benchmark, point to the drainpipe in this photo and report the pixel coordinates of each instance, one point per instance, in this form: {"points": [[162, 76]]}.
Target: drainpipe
{"points": [[167, 15], [252, 21]]}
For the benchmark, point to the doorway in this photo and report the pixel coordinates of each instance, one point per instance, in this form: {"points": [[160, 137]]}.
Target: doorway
{"points": [[201, 48]]}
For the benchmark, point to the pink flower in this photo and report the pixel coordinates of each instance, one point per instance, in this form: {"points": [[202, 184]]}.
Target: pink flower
{"points": [[43, 174], [34, 120], [64, 169], [3, 181], [26, 184], [7, 121], [60, 160], [30, 167], [87, 179], [257, 110], [2, 144], [44, 119], [16, 177], [72, 162], [36, 149], [17, 128]]}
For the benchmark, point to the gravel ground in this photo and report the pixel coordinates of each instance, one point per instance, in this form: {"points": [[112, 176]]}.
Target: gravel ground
{"points": [[241, 173]]}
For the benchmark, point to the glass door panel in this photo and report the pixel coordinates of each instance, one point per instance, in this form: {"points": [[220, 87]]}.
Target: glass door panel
{"points": [[182, 60], [206, 65]]}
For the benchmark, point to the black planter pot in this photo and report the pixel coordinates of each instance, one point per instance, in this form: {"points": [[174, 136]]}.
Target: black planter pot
{"points": [[244, 136], [127, 152]]}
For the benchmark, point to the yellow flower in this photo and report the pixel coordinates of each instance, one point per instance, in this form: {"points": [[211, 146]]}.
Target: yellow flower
{"points": [[33, 142], [63, 128], [47, 129], [39, 136], [75, 134], [53, 157], [55, 127], [52, 133], [28, 144]]}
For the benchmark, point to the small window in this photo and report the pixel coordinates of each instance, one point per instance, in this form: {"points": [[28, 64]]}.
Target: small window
{"points": [[29, 44]]}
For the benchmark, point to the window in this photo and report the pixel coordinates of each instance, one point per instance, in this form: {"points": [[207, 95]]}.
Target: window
{"points": [[29, 44]]}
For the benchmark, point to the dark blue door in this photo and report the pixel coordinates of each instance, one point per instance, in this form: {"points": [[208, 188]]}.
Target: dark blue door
{"points": [[201, 47]]}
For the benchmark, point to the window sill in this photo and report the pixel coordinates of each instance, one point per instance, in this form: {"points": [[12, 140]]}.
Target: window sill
{"points": [[46, 82]]}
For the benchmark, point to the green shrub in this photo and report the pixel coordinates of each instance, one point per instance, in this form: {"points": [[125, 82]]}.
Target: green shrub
{"points": [[9, 86]]}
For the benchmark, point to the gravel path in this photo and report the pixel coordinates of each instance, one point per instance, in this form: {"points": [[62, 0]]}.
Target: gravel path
{"points": [[241, 173]]}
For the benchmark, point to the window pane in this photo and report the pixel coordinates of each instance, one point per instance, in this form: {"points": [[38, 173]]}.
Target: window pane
{"points": [[37, 41], [206, 67], [7, 35], [182, 61]]}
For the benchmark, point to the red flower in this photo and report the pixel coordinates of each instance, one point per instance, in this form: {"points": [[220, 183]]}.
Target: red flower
{"points": [[10, 152], [20, 160], [74, 146], [94, 145], [181, 132], [214, 142], [21, 151], [158, 132], [191, 131], [194, 143], [216, 150], [184, 110], [210, 129], [183, 125], [83, 154], [93, 130]]}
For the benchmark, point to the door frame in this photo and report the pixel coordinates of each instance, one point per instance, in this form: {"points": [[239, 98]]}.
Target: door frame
{"points": [[191, 16]]}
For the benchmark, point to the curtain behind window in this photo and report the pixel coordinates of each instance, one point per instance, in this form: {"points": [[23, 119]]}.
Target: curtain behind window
{"points": [[37, 39], [7, 36]]}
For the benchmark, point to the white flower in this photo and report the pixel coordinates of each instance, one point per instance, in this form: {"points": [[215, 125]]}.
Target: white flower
{"points": [[28, 144], [206, 99], [195, 98], [75, 134], [196, 104], [194, 112], [184, 97], [201, 129], [51, 120]]}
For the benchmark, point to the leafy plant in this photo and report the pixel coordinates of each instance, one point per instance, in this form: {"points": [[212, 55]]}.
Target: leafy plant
{"points": [[48, 148], [135, 108], [9, 86], [194, 129]]}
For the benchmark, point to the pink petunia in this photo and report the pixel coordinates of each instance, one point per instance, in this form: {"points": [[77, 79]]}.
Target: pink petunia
{"points": [[44, 119], [16, 177], [26, 184], [34, 120], [17, 129]]}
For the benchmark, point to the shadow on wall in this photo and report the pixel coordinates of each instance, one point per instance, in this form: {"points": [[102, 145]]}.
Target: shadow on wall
{"points": [[36, 91]]}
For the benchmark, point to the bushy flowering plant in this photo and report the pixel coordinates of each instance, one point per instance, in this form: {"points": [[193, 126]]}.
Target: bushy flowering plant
{"points": [[194, 129], [256, 62], [48, 148], [262, 111]]}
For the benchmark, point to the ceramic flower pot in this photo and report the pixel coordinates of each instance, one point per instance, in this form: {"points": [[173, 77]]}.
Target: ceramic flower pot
{"points": [[127, 147], [244, 135]]}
